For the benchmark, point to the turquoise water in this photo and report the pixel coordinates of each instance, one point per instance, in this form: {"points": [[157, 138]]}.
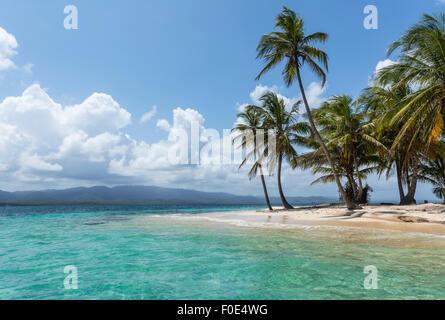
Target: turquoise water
{"points": [[147, 253]]}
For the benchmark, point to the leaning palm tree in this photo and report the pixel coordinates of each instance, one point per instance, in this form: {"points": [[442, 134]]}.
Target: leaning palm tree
{"points": [[291, 44], [248, 129], [287, 131]]}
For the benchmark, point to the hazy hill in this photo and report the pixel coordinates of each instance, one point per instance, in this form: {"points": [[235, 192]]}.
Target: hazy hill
{"points": [[138, 195]]}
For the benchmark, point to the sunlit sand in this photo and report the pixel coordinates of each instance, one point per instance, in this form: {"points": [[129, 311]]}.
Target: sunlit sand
{"points": [[425, 218]]}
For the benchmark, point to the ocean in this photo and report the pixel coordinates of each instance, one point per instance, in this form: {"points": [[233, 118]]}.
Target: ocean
{"points": [[168, 252]]}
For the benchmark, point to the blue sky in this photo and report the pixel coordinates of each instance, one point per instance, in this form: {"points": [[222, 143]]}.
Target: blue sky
{"points": [[188, 54]]}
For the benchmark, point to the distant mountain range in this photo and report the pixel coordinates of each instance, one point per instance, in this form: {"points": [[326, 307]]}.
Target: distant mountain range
{"points": [[139, 195]]}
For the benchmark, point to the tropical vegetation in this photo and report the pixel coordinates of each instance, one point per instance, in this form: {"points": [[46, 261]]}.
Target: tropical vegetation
{"points": [[395, 127], [271, 119]]}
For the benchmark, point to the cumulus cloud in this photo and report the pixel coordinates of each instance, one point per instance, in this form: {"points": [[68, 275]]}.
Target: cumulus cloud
{"points": [[36, 162], [183, 120], [163, 125], [39, 135], [241, 107], [314, 94], [8, 46], [260, 90], [148, 115], [46, 144], [36, 114]]}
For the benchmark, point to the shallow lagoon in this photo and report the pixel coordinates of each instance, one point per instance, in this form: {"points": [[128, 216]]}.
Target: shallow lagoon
{"points": [[152, 253]]}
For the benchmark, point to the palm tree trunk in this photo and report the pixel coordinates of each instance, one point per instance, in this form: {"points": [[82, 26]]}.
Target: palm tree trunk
{"points": [[352, 183], [349, 204], [399, 182], [263, 182], [408, 182], [412, 189], [359, 179], [280, 190], [266, 195]]}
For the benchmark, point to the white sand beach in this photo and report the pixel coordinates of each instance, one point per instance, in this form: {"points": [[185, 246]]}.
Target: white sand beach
{"points": [[424, 218]]}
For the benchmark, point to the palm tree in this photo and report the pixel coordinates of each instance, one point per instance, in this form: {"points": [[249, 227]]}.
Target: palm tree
{"points": [[344, 168], [352, 146], [286, 130], [421, 65], [252, 123], [344, 125], [291, 44], [382, 101]]}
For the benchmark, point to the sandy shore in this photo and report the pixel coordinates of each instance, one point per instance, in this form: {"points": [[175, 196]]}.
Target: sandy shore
{"points": [[424, 218]]}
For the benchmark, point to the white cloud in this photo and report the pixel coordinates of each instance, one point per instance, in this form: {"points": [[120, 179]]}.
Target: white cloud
{"points": [[148, 115], [96, 149], [314, 94], [39, 135], [383, 64], [36, 162], [380, 65], [182, 119], [163, 124], [8, 44], [34, 113], [241, 107], [43, 143], [260, 90], [98, 113]]}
